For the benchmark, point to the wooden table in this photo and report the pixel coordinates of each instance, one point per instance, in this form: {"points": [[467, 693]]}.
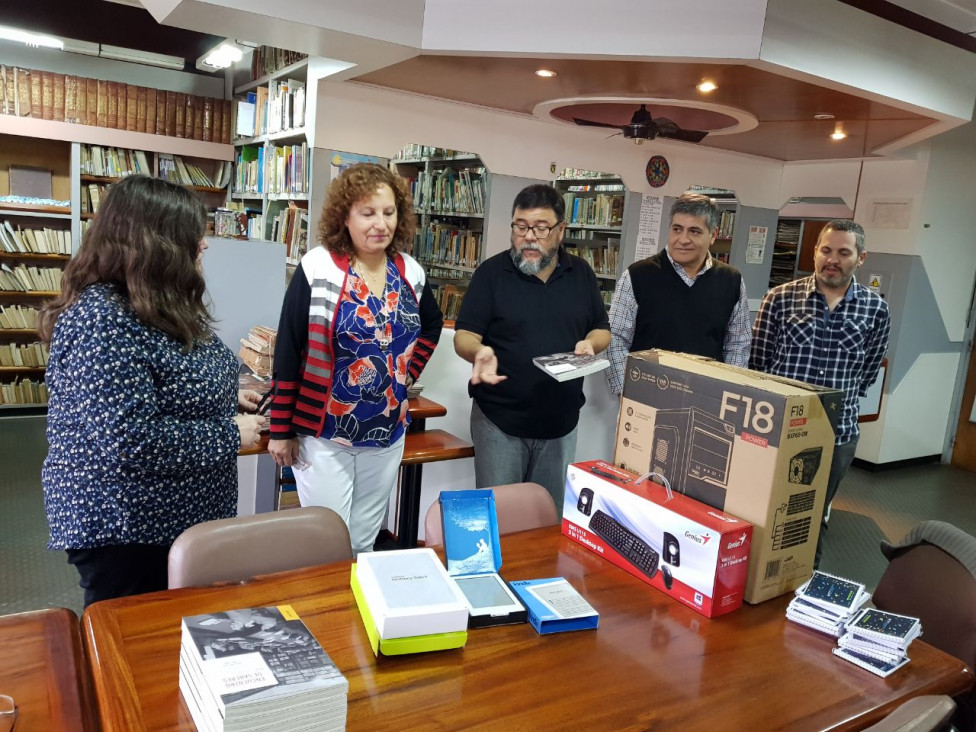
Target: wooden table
{"points": [[652, 664], [42, 668]]}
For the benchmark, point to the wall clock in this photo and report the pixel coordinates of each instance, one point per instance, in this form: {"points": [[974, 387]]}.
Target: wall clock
{"points": [[657, 171]]}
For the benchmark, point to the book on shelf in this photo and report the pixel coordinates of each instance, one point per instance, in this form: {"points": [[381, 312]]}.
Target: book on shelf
{"points": [[23, 391], [267, 60], [23, 278], [34, 240], [18, 317], [30, 355], [259, 668], [566, 366]]}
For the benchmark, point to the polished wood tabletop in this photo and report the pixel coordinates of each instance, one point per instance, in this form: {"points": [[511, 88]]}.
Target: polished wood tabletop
{"points": [[652, 663], [42, 668]]}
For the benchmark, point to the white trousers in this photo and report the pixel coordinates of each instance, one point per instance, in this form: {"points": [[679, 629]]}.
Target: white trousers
{"points": [[355, 482]]}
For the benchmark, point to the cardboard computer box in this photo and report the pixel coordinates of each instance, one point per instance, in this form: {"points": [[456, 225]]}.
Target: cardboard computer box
{"points": [[695, 553], [756, 446]]}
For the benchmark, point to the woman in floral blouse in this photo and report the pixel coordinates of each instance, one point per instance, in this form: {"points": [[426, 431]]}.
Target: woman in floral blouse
{"points": [[358, 325], [143, 429]]}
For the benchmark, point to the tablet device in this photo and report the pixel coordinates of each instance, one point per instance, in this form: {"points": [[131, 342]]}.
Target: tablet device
{"points": [[489, 595]]}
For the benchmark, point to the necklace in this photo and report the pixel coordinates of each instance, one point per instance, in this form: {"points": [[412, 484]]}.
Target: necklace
{"points": [[384, 330]]}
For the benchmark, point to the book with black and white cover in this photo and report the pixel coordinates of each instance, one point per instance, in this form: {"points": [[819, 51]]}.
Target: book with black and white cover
{"points": [[877, 666], [259, 667], [884, 628], [839, 596], [814, 620], [566, 366]]}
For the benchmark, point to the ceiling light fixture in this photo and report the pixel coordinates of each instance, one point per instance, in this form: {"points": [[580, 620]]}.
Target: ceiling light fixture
{"points": [[838, 133], [545, 73], [707, 86], [823, 115], [31, 39], [223, 56]]}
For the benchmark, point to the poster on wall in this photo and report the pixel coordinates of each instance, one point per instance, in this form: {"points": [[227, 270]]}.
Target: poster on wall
{"points": [[341, 161], [648, 226], [756, 246]]}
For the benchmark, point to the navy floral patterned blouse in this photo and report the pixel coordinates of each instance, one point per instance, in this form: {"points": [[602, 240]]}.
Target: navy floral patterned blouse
{"points": [[373, 340], [142, 442]]}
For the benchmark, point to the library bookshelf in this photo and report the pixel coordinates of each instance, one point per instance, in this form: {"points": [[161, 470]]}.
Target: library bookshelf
{"points": [[450, 192], [38, 240], [273, 158], [596, 205]]}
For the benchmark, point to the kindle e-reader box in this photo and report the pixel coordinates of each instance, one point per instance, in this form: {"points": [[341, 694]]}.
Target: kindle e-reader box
{"points": [[555, 606], [474, 557]]}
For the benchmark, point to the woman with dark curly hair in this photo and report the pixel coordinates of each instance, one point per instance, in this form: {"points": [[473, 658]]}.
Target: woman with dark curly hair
{"points": [[358, 325], [142, 422]]}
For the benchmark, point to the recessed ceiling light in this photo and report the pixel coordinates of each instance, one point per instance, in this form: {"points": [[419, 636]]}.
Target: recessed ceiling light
{"points": [[838, 133], [545, 73], [823, 115], [707, 86]]}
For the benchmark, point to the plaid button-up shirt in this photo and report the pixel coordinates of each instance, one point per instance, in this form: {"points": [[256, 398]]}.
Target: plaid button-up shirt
{"points": [[796, 335]]}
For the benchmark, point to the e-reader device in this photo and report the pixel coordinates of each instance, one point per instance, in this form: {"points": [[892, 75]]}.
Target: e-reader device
{"points": [[489, 595]]}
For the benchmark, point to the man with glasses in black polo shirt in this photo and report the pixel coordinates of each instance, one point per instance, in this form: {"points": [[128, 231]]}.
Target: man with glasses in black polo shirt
{"points": [[531, 300]]}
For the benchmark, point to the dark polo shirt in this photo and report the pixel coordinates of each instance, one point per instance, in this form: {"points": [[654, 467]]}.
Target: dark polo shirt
{"points": [[522, 317]]}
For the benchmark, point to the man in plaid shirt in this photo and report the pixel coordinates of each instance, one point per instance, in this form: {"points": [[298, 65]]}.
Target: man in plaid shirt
{"points": [[829, 330]]}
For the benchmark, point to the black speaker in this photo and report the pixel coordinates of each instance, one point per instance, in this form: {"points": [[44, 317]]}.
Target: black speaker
{"points": [[585, 502], [671, 550]]}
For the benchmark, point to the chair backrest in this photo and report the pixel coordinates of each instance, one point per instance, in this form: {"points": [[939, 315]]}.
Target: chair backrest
{"points": [[236, 549], [931, 575], [919, 714], [930, 583], [520, 506]]}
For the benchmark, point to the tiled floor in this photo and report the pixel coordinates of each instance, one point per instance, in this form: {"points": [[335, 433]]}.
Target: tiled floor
{"points": [[869, 508]]}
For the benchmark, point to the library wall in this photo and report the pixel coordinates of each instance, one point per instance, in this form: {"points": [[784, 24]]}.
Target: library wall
{"points": [[51, 154]]}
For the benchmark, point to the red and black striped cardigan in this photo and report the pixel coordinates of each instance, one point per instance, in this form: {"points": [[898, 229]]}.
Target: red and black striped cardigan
{"points": [[303, 352]]}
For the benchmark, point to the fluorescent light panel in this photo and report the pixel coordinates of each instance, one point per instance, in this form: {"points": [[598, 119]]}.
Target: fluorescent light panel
{"points": [[142, 57], [31, 39]]}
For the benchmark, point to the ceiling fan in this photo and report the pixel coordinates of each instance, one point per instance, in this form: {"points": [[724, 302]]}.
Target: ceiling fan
{"points": [[642, 127]]}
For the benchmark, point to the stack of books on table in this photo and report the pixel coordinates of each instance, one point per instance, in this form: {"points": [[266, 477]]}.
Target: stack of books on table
{"points": [[408, 602], [259, 668], [257, 349], [878, 641], [826, 603]]}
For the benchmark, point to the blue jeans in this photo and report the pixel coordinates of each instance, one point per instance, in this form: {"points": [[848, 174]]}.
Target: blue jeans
{"points": [[500, 459], [843, 457]]}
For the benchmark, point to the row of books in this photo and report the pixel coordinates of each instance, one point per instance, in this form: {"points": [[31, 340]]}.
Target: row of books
{"points": [[290, 227], [726, 224], [34, 241], [91, 197], [31, 355], [582, 173], [23, 391], [604, 260], [602, 209], [18, 317], [24, 278], [259, 668], [249, 169], [414, 151], [270, 109], [442, 244], [449, 191], [288, 169], [113, 162], [267, 60], [113, 104], [449, 299], [174, 169]]}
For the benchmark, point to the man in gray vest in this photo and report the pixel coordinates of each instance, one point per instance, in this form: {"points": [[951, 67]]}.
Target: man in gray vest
{"points": [[681, 299]]}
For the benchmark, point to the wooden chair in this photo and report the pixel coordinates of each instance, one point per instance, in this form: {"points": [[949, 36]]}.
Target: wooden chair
{"points": [[520, 506], [931, 575], [236, 549]]}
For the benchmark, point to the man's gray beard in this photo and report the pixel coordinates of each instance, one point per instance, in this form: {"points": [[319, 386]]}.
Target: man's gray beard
{"points": [[531, 267]]}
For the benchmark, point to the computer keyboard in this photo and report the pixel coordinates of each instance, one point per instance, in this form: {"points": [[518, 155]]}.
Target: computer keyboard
{"points": [[625, 542]]}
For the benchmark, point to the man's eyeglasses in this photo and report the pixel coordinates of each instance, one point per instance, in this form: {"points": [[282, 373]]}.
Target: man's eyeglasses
{"points": [[540, 231], [8, 713]]}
